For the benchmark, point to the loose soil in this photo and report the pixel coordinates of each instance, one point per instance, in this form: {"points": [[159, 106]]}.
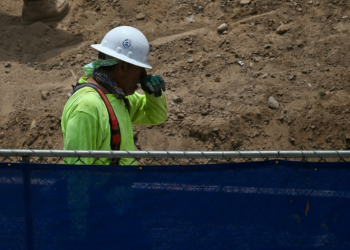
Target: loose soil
{"points": [[218, 84]]}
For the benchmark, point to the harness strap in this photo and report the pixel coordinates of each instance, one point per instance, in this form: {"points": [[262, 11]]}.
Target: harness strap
{"points": [[115, 130]]}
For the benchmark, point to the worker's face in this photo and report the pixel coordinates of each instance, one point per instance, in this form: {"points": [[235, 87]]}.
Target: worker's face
{"points": [[131, 75]]}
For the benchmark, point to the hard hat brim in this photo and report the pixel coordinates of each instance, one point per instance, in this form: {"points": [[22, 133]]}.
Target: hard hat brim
{"points": [[119, 56]]}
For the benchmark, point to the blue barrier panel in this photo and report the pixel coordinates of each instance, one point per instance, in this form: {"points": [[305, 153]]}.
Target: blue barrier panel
{"points": [[255, 205]]}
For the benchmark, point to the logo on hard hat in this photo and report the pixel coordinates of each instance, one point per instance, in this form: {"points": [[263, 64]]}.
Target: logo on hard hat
{"points": [[127, 43]]}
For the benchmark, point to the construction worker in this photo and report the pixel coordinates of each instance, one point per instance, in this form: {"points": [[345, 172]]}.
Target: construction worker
{"points": [[123, 56], [44, 10]]}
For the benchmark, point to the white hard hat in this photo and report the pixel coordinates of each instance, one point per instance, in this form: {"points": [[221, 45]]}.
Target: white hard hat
{"points": [[127, 44]]}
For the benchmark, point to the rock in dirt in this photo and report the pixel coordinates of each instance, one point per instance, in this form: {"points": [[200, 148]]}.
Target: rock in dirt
{"points": [[245, 2], [180, 116], [7, 65], [223, 27], [273, 103], [140, 16], [204, 113], [283, 29], [190, 50], [44, 94], [2, 135], [177, 99], [291, 78], [114, 24], [33, 124]]}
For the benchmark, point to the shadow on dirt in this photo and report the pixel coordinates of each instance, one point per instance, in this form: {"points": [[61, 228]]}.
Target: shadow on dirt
{"points": [[37, 42]]}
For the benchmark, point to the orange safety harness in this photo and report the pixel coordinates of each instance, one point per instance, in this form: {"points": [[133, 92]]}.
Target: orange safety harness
{"points": [[115, 130]]}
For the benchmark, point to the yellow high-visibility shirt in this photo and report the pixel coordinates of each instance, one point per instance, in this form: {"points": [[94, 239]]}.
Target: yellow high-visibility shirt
{"points": [[85, 122]]}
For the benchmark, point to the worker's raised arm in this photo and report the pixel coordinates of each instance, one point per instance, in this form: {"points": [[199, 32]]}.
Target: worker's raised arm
{"points": [[150, 108]]}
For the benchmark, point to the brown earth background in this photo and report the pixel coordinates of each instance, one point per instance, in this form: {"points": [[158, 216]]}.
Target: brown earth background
{"points": [[294, 51]]}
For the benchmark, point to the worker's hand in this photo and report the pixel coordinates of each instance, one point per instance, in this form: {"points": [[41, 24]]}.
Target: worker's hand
{"points": [[153, 84]]}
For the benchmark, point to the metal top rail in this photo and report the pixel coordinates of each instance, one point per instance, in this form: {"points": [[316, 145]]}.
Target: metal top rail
{"points": [[177, 154]]}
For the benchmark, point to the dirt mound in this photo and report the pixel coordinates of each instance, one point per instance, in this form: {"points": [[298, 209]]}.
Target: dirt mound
{"points": [[219, 84]]}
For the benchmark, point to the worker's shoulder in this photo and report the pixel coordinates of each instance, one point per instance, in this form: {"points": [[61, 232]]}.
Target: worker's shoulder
{"points": [[86, 98], [86, 93]]}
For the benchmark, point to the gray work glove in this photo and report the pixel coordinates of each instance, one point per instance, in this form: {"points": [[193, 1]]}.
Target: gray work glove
{"points": [[153, 84]]}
